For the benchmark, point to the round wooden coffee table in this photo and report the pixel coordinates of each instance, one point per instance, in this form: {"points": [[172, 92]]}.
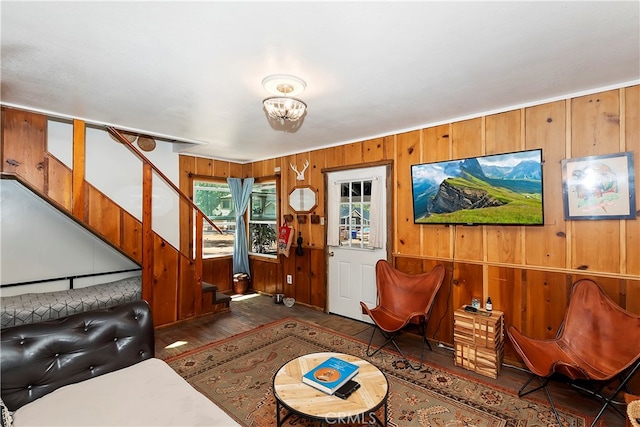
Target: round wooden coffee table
{"points": [[303, 400]]}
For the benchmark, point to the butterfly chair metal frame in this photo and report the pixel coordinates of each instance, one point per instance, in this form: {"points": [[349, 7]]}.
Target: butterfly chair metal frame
{"points": [[589, 349], [403, 299]]}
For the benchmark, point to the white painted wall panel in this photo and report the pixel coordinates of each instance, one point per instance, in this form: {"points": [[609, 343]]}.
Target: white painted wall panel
{"points": [[39, 242], [60, 141], [117, 172]]}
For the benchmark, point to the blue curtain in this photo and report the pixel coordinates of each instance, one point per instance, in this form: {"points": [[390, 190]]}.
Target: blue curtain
{"points": [[241, 193]]}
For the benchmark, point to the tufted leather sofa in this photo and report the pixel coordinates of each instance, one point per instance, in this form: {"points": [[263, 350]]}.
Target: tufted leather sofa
{"points": [[72, 349], [97, 362]]}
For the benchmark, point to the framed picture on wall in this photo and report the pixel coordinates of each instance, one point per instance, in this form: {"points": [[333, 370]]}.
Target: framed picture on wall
{"points": [[599, 187]]}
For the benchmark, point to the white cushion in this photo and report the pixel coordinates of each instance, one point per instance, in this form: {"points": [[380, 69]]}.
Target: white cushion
{"points": [[148, 393]]}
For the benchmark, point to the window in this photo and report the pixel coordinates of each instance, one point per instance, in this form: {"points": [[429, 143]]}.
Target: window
{"points": [[213, 197], [263, 224], [355, 206]]}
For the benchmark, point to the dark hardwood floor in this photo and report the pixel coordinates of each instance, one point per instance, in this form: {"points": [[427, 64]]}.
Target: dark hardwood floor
{"points": [[250, 312]]}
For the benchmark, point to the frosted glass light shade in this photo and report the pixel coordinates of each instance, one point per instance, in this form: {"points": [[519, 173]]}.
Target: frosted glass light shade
{"points": [[284, 108]]}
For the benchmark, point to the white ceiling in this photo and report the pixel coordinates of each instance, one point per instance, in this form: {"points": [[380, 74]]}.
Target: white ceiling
{"points": [[192, 71]]}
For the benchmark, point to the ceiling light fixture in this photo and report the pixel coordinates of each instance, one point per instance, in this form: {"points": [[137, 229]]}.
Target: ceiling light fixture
{"points": [[284, 106]]}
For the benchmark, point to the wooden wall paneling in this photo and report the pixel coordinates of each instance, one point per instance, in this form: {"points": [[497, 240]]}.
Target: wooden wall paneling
{"points": [[545, 128], [272, 277], [246, 170], [632, 143], [208, 269], [165, 281], [633, 296], [223, 169], [302, 276], [2, 138], [287, 264], [389, 147], [288, 267], [193, 284], [466, 141], [287, 182], [504, 244], [269, 167], [537, 307], [264, 168], [595, 131], [235, 169], [407, 233], [23, 145], [545, 300], [59, 180], [316, 179], [373, 150], [353, 153], [264, 275], [436, 239], [595, 124], [503, 133], [103, 215], [79, 166], [298, 161], [587, 237], [188, 295], [411, 265], [335, 156], [505, 287], [467, 283], [186, 165], [253, 169], [148, 278], [256, 268], [219, 272], [131, 236], [317, 278], [203, 166], [440, 326]]}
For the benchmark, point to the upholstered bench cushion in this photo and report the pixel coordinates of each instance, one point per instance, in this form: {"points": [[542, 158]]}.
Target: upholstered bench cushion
{"points": [[148, 393], [38, 307]]}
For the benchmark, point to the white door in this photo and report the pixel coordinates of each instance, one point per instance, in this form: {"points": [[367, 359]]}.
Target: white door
{"points": [[351, 219]]}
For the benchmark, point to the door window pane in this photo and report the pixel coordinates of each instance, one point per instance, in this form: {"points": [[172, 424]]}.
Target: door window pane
{"points": [[355, 206]]}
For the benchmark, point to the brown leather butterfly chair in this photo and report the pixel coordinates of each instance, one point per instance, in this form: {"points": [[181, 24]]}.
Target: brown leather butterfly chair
{"points": [[402, 299], [598, 343]]}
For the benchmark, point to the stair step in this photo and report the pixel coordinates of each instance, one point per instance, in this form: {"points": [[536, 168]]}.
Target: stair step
{"points": [[208, 287], [220, 297], [216, 297]]}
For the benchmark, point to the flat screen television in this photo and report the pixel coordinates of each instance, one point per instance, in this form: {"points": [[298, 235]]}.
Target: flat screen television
{"points": [[499, 189]]}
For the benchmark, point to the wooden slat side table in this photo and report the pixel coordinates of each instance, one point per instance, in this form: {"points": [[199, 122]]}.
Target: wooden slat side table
{"points": [[303, 400], [479, 341]]}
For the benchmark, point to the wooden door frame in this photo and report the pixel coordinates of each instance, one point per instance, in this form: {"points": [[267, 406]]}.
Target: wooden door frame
{"points": [[390, 221]]}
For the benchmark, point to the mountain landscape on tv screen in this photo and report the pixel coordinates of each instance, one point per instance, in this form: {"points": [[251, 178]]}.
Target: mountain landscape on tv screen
{"points": [[499, 189]]}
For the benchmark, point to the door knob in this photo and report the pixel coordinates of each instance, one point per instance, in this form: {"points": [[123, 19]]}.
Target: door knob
{"points": [[331, 253]]}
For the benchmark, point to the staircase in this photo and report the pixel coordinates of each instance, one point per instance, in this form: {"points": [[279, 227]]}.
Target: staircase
{"points": [[171, 277], [216, 297]]}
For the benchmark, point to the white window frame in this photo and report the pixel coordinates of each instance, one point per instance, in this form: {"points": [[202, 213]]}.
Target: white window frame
{"points": [[273, 222]]}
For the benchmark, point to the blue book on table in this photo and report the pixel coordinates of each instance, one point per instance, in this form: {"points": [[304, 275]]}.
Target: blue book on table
{"points": [[330, 375]]}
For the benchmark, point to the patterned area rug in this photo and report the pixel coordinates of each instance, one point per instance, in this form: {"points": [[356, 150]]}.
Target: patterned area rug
{"points": [[237, 374]]}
